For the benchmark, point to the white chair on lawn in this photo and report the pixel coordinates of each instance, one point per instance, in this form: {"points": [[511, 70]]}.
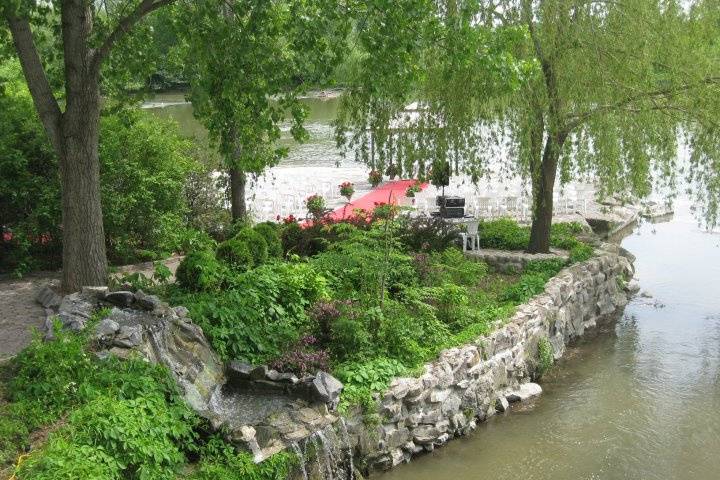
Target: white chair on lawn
{"points": [[472, 235]]}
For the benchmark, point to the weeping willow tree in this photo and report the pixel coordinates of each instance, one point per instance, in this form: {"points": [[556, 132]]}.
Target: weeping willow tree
{"points": [[432, 52], [603, 89]]}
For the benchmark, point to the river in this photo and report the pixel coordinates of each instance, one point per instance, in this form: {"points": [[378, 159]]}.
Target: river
{"points": [[638, 401]]}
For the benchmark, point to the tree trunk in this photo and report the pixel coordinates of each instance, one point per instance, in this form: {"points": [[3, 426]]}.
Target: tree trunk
{"points": [[238, 208], [543, 184], [84, 256]]}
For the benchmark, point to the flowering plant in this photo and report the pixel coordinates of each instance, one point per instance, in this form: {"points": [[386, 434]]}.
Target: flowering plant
{"points": [[347, 190], [375, 178], [384, 211], [287, 220], [302, 358], [315, 204], [413, 189]]}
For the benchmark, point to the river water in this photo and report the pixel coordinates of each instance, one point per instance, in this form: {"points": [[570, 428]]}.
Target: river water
{"points": [[640, 400]]}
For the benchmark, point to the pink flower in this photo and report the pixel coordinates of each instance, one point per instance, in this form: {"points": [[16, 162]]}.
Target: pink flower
{"points": [[7, 236]]}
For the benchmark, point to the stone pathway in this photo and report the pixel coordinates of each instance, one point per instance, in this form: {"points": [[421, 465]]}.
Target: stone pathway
{"points": [[20, 313]]}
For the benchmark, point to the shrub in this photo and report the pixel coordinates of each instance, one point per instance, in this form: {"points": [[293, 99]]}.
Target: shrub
{"points": [[271, 234], [199, 271], [259, 313], [451, 266], [581, 252], [236, 254], [427, 234], [61, 459], [530, 284], [255, 243], [504, 234], [302, 358]]}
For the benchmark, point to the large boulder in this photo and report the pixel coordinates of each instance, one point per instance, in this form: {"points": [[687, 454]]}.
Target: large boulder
{"points": [[327, 388]]}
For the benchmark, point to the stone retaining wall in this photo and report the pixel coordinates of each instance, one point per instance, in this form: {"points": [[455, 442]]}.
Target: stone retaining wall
{"points": [[470, 383], [508, 261]]}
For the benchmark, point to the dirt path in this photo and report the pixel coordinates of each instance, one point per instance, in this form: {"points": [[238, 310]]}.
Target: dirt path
{"points": [[20, 313]]}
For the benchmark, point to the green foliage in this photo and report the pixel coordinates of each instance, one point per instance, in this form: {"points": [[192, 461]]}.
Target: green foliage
{"points": [[504, 234], [546, 356], [236, 254], [199, 271], [247, 66], [362, 262], [126, 416], [421, 234], [271, 234], [144, 164], [362, 379], [581, 252], [259, 312], [61, 459], [256, 244], [220, 461]]}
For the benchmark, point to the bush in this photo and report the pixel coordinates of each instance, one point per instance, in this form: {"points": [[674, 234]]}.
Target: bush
{"points": [[199, 271], [258, 314], [581, 252], [427, 234], [236, 254], [530, 284], [255, 243], [270, 233], [504, 234]]}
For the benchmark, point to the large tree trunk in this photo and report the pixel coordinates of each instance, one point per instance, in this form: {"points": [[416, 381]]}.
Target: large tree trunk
{"points": [[84, 258], [238, 208], [543, 172]]}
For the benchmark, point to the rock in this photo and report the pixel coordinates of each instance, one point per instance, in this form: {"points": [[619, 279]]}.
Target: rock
{"points": [[645, 294], [47, 297], [259, 372], [74, 311], [502, 405], [425, 434], [287, 378], [121, 298], [396, 437], [327, 388], [439, 396], [238, 371], [147, 302], [94, 293], [451, 404], [526, 391], [106, 329], [181, 311], [128, 336], [49, 328]]}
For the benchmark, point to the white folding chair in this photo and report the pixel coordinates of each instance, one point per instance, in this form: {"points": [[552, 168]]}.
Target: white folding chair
{"points": [[472, 235]]}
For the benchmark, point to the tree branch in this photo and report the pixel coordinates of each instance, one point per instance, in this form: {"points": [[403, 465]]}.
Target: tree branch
{"points": [[126, 23], [42, 95], [576, 120]]}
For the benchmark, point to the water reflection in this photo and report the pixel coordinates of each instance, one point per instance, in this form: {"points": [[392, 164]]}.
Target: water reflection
{"points": [[639, 401]]}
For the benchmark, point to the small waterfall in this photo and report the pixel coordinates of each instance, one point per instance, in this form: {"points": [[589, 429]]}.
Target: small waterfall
{"points": [[346, 441], [330, 454], [301, 457]]}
